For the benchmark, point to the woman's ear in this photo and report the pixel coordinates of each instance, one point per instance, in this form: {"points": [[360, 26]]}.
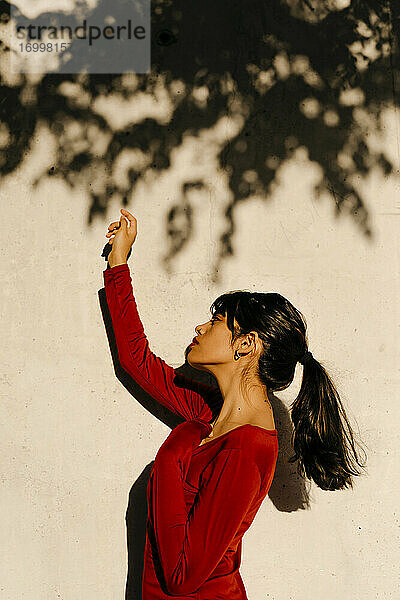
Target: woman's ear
{"points": [[251, 342], [258, 346]]}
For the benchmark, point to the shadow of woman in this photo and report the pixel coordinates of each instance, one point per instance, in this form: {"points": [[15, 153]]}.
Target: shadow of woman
{"points": [[288, 491]]}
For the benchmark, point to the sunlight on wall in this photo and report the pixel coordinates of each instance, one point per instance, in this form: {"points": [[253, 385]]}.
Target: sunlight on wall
{"points": [[78, 440]]}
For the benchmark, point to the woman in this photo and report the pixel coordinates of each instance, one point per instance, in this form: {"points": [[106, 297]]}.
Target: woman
{"points": [[209, 479]]}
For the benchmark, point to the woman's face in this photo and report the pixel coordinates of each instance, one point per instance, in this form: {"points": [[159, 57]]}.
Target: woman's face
{"points": [[213, 345]]}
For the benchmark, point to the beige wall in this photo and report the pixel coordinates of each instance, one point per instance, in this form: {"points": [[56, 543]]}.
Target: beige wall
{"points": [[73, 439]]}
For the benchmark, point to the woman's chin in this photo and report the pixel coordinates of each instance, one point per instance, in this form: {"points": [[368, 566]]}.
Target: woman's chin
{"points": [[188, 353], [191, 360]]}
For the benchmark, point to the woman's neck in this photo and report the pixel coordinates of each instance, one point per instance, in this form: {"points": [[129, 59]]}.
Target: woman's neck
{"points": [[242, 403]]}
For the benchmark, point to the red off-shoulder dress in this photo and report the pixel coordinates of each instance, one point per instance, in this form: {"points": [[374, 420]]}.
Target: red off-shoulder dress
{"points": [[201, 498]]}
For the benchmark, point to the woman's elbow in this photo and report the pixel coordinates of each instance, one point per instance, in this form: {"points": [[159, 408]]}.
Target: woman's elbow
{"points": [[128, 364]]}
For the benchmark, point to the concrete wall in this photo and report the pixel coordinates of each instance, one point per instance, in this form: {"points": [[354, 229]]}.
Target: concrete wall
{"points": [[74, 441]]}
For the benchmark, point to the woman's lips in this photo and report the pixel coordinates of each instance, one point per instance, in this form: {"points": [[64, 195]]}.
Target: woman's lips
{"points": [[194, 341]]}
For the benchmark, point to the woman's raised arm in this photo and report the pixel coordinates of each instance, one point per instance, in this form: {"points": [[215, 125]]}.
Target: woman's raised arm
{"points": [[148, 370], [151, 372]]}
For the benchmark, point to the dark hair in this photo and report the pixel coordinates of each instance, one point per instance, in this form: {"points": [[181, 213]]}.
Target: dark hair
{"points": [[322, 438]]}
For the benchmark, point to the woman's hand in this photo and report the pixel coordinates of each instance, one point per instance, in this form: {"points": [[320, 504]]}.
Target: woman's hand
{"points": [[121, 237]]}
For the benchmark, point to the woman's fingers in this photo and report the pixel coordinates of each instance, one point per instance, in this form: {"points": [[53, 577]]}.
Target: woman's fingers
{"points": [[112, 228], [132, 220], [127, 214], [132, 230], [113, 225]]}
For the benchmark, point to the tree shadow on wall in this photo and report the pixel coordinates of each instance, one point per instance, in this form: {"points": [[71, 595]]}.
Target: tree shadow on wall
{"points": [[288, 492], [289, 74]]}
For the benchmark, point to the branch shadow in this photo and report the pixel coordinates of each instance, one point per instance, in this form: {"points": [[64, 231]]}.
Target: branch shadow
{"points": [[289, 75]]}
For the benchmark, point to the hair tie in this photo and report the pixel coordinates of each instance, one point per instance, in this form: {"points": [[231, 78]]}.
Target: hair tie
{"points": [[306, 357]]}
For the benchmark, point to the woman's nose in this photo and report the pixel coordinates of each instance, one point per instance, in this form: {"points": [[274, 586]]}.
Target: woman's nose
{"points": [[198, 329]]}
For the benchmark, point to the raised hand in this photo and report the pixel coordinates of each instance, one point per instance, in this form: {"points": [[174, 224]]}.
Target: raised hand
{"points": [[121, 237]]}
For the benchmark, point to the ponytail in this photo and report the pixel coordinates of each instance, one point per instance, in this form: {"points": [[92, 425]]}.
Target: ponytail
{"points": [[322, 439]]}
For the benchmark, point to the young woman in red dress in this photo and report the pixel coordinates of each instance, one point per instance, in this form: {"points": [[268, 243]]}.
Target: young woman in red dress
{"points": [[210, 478]]}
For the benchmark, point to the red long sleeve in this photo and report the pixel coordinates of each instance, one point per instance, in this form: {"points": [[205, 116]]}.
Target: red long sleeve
{"points": [[201, 500], [190, 546], [151, 372]]}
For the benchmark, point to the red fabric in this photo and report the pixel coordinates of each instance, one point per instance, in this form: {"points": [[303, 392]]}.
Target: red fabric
{"points": [[201, 499]]}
